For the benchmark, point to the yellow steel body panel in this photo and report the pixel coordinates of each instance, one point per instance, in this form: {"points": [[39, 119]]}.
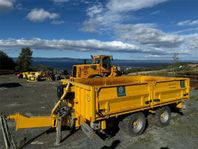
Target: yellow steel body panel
{"points": [[32, 122], [98, 98], [167, 91], [86, 70], [83, 104], [136, 97]]}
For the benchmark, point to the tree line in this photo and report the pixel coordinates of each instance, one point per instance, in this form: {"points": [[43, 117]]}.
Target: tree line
{"points": [[23, 61]]}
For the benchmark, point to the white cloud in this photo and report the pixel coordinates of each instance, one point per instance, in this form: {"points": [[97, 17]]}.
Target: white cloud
{"points": [[155, 12], [60, 1], [147, 34], [100, 21], [94, 10], [40, 15], [186, 30], [58, 22], [103, 17], [188, 23], [115, 15], [78, 45], [118, 6], [192, 41], [6, 4], [184, 44]]}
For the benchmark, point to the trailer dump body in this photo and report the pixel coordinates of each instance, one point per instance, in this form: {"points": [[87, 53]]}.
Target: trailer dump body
{"points": [[92, 103], [99, 98]]}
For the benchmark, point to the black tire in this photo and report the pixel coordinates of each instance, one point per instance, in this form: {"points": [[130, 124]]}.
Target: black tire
{"points": [[163, 116], [134, 124]]}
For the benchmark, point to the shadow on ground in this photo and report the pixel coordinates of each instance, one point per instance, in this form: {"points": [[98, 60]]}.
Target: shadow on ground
{"points": [[10, 85], [26, 142], [113, 145]]}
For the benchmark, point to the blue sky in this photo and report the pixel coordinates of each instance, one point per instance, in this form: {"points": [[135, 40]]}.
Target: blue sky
{"points": [[126, 29]]}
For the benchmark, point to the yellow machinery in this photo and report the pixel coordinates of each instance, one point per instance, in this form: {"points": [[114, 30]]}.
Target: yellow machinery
{"points": [[101, 67], [91, 103], [24, 75], [32, 76]]}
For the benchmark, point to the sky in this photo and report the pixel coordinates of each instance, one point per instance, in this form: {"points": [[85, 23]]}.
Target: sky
{"points": [[126, 29]]}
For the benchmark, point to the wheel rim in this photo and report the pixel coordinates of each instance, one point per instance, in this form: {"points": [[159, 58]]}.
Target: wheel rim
{"points": [[137, 125], [164, 116]]}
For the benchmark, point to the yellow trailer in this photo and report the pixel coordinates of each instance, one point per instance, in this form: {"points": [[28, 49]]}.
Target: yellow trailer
{"points": [[96, 100], [92, 103]]}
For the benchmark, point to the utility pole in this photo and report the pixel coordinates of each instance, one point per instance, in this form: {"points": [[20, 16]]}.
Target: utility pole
{"points": [[175, 59]]}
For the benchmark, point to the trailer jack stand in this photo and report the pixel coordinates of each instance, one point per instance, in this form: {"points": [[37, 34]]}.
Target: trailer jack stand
{"points": [[58, 131], [8, 138]]}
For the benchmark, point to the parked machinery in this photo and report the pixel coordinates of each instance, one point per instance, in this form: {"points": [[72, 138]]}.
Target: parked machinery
{"points": [[101, 66], [33, 76]]}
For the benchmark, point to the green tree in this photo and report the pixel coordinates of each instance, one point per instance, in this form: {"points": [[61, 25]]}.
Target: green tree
{"points": [[24, 61], [6, 62]]}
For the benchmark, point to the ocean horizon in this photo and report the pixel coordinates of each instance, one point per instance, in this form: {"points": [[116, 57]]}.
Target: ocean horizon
{"points": [[67, 63]]}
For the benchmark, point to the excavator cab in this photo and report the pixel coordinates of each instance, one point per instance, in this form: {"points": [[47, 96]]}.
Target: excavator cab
{"points": [[101, 66]]}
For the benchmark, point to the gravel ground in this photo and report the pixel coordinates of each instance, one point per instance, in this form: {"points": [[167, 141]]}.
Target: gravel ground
{"points": [[38, 98]]}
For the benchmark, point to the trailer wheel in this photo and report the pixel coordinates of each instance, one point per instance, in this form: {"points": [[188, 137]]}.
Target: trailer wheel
{"points": [[134, 124], [163, 116]]}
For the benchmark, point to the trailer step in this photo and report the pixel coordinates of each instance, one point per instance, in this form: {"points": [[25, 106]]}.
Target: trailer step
{"points": [[8, 138], [91, 134]]}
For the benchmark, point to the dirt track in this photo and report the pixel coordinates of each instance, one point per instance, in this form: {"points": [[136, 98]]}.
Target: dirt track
{"points": [[39, 98]]}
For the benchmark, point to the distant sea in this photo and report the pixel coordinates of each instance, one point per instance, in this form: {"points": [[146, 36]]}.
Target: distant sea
{"points": [[67, 63]]}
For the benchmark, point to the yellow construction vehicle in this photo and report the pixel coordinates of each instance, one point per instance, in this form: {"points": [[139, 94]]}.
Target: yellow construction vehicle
{"points": [[101, 67], [33, 76], [23, 75], [91, 104]]}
